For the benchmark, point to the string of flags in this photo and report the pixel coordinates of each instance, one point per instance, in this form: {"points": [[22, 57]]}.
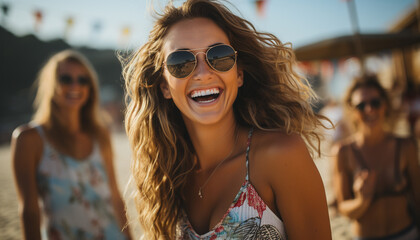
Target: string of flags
{"points": [[260, 6], [97, 26]]}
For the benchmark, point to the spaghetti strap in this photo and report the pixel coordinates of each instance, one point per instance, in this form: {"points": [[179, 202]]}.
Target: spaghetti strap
{"points": [[397, 159], [248, 147]]}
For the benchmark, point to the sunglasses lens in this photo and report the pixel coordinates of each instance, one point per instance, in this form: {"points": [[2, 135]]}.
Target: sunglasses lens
{"points": [[68, 80], [65, 79], [361, 106], [180, 64], [222, 58], [83, 81], [375, 103]]}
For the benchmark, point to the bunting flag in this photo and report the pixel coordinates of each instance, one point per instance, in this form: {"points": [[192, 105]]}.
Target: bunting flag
{"points": [[5, 10], [125, 35], [327, 70], [260, 6], [38, 19], [69, 25]]}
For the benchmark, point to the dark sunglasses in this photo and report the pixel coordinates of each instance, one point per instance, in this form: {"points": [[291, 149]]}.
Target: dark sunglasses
{"points": [[375, 103], [182, 63], [68, 80]]}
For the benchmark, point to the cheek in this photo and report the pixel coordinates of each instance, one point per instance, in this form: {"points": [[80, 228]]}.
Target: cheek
{"points": [[58, 91], [383, 112]]}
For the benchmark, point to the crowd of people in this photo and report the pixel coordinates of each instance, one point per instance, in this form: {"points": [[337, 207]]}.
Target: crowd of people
{"points": [[223, 135]]}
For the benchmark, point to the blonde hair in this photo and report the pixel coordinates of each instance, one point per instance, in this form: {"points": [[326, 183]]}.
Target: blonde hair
{"points": [[273, 97], [47, 111]]}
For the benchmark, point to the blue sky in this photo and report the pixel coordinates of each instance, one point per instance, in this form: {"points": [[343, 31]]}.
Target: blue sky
{"points": [[297, 21]]}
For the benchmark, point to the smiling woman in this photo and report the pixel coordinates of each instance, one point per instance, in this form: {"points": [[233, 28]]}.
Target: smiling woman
{"points": [[64, 158], [217, 121], [376, 174]]}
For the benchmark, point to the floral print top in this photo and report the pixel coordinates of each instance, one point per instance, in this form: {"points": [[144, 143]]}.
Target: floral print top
{"points": [[75, 194], [248, 217]]}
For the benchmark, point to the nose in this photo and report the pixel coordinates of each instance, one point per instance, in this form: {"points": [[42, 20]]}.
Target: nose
{"points": [[75, 83], [202, 70], [368, 108]]}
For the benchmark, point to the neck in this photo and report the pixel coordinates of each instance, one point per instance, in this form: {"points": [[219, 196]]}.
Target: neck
{"points": [[71, 120], [213, 143], [371, 136]]}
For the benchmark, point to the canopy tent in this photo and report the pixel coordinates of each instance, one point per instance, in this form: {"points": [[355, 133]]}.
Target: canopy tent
{"points": [[345, 46]]}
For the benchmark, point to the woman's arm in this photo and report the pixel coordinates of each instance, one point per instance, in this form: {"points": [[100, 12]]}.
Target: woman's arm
{"points": [[298, 190], [362, 187], [26, 149], [119, 206]]}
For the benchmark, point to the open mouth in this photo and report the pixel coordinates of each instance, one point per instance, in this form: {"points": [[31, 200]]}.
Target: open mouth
{"points": [[205, 96]]}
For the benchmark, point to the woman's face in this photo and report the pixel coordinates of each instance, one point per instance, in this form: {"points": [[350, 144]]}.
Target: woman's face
{"points": [[368, 107], [205, 96], [73, 85]]}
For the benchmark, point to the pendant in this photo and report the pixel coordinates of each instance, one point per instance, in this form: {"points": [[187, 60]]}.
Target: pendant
{"points": [[199, 193]]}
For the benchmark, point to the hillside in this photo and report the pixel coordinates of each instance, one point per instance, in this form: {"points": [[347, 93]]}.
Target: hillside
{"points": [[20, 60]]}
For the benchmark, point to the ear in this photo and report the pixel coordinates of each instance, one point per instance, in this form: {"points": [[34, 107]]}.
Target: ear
{"points": [[240, 77], [164, 87]]}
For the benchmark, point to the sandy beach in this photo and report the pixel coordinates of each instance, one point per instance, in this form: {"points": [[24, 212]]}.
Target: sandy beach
{"points": [[9, 221]]}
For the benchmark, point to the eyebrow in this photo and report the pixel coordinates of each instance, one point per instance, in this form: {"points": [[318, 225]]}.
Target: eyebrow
{"points": [[215, 44]]}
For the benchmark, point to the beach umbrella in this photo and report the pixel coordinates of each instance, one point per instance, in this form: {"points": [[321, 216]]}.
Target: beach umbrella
{"points": [[344, 46]]}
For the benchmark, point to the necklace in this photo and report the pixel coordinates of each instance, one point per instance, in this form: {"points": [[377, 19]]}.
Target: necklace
{"points": [[200, 193]]}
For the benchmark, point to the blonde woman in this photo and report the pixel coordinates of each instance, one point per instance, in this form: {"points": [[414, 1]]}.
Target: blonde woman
{"points": [[376, 174], [218, 123], [64, 158]]}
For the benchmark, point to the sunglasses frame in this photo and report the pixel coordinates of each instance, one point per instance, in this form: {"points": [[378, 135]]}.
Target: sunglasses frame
{"points": [[374, 103], [81, 80], [206, 57]]}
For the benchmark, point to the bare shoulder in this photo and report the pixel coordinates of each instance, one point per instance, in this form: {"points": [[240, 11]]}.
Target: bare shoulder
{"points": [[286, 177], [344, 144], [26, 133], [26, 141], [279, 154], [409, 148]]}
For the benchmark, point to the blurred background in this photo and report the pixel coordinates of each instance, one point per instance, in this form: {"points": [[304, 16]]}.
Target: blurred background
{"points": [[334, 41]]}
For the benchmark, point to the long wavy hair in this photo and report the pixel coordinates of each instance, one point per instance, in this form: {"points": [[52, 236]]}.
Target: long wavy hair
{"points": [[48, 112], [273, 97]]}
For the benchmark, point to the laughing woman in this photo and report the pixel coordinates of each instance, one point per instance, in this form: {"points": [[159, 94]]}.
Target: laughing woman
{"points": [[64, 158], [218, 122]]}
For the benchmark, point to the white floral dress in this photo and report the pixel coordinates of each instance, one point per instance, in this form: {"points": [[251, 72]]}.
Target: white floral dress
{"points": [[248, 217], [75, 194]]}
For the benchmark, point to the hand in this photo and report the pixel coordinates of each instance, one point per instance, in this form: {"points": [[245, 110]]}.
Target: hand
{"points": [[364, 184]]}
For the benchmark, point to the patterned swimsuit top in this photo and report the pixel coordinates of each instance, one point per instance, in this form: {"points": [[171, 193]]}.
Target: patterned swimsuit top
{"points": [[76, 198], [248, 217]]}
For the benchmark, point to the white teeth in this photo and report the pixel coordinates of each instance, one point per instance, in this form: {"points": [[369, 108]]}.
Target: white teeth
{"points": [[202, 93]]}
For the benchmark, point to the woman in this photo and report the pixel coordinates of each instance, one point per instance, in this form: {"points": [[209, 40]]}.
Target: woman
{"points": [[64, 157], [375, 172], [217, 120]]}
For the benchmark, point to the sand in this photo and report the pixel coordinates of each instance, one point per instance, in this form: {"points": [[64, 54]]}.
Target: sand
{"points": [[9, 220]]}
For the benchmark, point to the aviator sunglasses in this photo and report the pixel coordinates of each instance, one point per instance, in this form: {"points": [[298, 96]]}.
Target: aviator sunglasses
{"points": [[375, 103], [66, 79], [182, 63]]}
